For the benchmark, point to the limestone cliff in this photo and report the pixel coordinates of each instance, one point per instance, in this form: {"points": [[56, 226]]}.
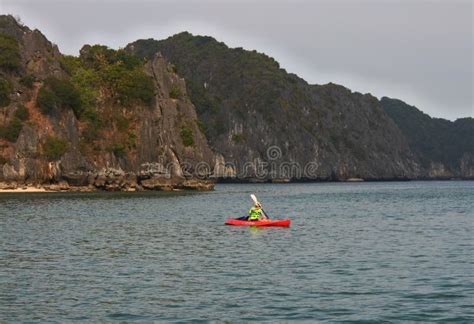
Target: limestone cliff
{"points": [[268, 124], [443, 148], [64, 137], [126, 120], [271, 125]]}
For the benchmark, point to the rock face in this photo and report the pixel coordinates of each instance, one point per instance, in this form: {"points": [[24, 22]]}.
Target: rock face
{"points": [[156, 146], [443, 148], [124, 120], [268, 124]]}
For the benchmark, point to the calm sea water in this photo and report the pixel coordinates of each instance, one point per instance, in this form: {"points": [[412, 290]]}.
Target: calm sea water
{"points": [[394, 251]]}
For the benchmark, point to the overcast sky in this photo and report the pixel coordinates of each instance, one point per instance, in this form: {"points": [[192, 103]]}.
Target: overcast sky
{"points": [[418, 51]]}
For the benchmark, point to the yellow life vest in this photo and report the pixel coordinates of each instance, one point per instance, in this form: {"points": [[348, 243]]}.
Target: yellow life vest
{"points": [[254, 214]]}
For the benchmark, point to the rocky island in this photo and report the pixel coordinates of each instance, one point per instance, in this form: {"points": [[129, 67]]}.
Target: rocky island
{"points": [[103, 120], [187, 111]]}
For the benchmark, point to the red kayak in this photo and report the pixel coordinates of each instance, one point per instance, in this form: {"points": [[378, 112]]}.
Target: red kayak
{"points": [[281, 223]]}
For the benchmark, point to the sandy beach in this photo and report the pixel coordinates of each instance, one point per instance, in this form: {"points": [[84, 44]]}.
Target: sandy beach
{"points": [[27, 189]]}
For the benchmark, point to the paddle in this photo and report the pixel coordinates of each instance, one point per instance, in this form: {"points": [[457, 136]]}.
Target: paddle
{"points": [[254, 198]]}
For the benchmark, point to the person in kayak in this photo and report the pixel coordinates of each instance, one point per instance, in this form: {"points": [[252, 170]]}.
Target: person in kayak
{"points": [[256, 213]]}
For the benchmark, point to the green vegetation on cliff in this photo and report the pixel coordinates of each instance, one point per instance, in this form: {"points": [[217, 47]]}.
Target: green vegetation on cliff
{"points": [[433, 139], [59, 93], [47, 101], [104, 75], [187, 136], [237, 75], [9, 52], [28, 80], [118, 149], [5, 91], [12, 130], [119, 74], [218, 76], [22, 113], [175, 92], [55, 147]]}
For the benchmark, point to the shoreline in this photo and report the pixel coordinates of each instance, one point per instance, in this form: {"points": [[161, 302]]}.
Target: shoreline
{"points": [[110, 185], [24, 189], [75, 189]]}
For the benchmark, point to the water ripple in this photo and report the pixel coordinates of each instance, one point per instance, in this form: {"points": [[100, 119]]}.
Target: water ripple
{"points": [[367, 252]]}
